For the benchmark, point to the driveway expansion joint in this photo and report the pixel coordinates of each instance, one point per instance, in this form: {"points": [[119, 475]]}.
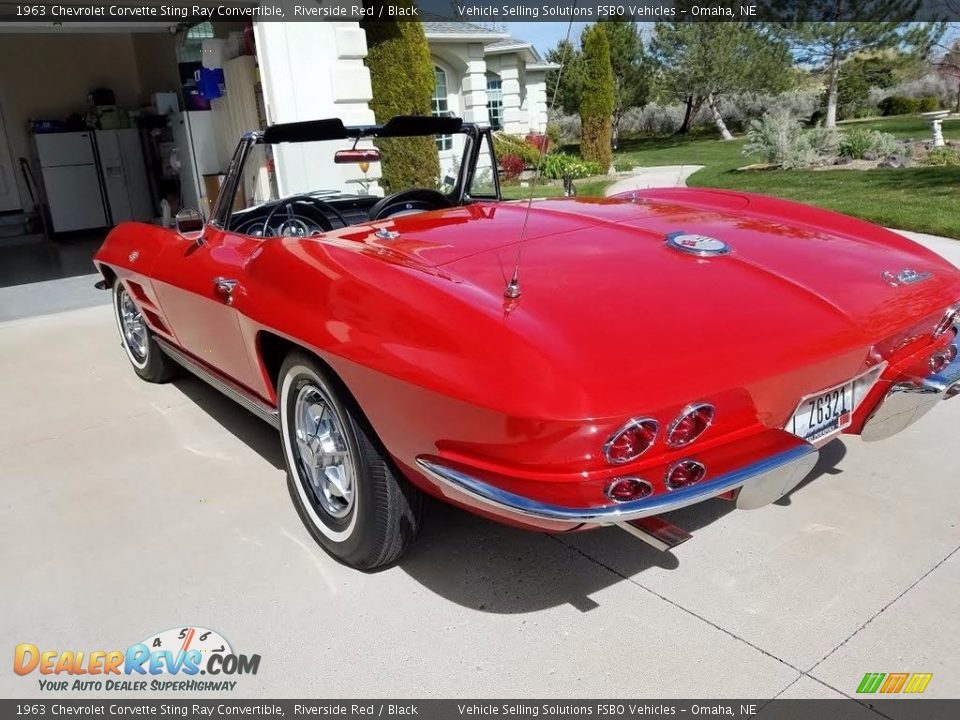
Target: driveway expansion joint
{"points": [[883, 610]]}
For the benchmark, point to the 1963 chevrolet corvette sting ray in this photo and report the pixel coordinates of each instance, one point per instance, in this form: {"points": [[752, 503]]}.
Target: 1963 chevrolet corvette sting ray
{"points": [[637, 354]]}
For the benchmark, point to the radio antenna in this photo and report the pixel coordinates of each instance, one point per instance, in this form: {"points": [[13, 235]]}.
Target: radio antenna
{"points": [[512, 291]]}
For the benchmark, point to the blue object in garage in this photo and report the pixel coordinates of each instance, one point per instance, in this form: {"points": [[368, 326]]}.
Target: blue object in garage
{"points": [[211, 83]]}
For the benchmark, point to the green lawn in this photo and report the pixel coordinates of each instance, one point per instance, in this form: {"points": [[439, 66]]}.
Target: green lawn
{"points": [[926, 199], [591, 187]]}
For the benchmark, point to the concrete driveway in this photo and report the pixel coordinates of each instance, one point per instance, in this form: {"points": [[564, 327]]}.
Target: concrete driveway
{"points": [[130, 508]]}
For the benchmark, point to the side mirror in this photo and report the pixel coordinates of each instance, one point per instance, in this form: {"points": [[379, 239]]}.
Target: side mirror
{"points": [[190, 224]]}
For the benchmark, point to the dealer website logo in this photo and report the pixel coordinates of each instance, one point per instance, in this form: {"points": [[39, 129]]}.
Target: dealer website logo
{"points": [[172, 660], [914, 683]]}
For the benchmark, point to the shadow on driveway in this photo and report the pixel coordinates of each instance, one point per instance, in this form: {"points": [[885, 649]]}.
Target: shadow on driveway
{"points": [[480, 564]]}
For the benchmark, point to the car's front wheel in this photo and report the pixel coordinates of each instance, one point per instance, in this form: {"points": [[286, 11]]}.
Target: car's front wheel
{"points": [[145, 355], [345, 490]]}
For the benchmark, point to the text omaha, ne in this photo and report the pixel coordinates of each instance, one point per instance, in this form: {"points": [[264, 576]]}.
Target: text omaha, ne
{"points": [[598, 12]]}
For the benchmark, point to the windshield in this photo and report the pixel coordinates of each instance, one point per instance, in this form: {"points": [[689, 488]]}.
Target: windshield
{"points": [[310, 187]]}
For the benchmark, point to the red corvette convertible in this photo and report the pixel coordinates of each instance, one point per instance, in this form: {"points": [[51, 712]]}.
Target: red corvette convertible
{"points": [[558, 365]]}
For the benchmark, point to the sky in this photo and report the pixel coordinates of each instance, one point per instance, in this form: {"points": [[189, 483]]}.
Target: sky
{"points": [[543, 35]]}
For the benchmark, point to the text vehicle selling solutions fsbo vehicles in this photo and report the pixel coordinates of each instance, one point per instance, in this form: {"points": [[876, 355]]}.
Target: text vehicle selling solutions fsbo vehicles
{"points": [[649, 351]]}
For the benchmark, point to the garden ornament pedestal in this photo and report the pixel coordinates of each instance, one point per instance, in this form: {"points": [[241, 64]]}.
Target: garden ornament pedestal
{"points": [[936, 125]]}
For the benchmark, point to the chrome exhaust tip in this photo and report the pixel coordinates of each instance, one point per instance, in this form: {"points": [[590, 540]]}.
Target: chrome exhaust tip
{"points": [[656, 532]]}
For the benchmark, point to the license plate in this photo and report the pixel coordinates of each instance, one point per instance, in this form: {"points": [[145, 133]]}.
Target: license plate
{"points": [[824, 413]]}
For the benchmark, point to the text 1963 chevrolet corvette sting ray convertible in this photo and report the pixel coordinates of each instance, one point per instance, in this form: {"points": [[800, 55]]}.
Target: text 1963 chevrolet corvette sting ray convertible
{"points": [[557, 365]]}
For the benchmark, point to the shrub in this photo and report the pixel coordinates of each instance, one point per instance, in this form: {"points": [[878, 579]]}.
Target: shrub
{"points": [[779, 139], [569, 126], [504, 144], [856, 143], [652, 119], [539, 141], [554, 133], [944, 156], [825, 142], [401, 74], [559, 165], [596, 101], [933, 84], [898, 105], [623, 165], [928, 103], [739, 109], [866, 112], [512, 166]]}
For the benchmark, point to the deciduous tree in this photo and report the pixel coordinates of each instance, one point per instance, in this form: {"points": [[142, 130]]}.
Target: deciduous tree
{"points": [[702, 61]]}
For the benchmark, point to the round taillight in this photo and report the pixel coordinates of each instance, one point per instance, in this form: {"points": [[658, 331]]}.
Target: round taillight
{"points": [[950, 317], [940, 359], [631, 441], [625, 489], [690, 424], [684, 474]]}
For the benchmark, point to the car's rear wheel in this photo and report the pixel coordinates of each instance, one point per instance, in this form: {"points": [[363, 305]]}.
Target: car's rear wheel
{"points": [[145, 355], [345, 490]]}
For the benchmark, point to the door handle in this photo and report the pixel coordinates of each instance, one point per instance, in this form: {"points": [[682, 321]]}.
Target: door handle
{"points": [[225, 286]]}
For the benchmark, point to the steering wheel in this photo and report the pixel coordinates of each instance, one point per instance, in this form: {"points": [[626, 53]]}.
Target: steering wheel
{"points": [[409, 201], [322, 205]]}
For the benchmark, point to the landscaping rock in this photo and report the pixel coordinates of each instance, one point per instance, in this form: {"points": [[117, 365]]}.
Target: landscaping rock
{"points": [[869, 155], [843, 160], [894, 161]]}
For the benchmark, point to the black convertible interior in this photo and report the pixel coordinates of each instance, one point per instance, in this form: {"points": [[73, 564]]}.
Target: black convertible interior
{"points": [[310, 214], [316, 212]]}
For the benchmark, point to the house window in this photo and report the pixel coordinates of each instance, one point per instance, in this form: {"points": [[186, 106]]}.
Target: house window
{"points": [[495, 101], [441, 106]]}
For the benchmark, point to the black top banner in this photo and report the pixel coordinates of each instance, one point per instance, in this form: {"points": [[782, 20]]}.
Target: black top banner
{"points": [[477, 11]]}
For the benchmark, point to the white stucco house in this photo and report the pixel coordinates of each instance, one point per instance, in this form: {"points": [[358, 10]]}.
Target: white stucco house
{"points": [[482, 75]]}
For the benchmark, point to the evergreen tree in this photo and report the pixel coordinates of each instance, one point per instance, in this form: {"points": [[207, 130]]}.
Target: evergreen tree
{"points": [[401, 73], [596, 98]]}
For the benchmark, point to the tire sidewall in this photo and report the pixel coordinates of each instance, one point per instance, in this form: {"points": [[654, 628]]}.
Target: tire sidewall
{"points": [[140, 365], [344, 537]]}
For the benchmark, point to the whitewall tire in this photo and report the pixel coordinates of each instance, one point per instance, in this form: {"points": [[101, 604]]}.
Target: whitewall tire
{"points": [[344, 488]]}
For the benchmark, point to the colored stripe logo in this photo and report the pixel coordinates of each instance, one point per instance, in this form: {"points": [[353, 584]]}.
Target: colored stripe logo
{"points": [[890, 683]]}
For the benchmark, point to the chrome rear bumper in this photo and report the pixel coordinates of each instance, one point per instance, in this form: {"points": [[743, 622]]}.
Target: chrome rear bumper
{"points": [[907, 402], [762, 481]]}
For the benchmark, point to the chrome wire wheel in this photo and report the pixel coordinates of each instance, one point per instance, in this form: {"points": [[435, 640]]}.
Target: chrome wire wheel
{"points": [[132, 326], [323, 452]]}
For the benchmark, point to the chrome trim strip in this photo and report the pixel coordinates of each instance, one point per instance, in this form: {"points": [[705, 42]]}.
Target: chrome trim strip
{"points": [[508, 503], [227, 387]]}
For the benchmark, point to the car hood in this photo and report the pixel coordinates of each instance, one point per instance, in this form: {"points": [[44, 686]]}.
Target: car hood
{"points": [[602, 290], [786, 261]]}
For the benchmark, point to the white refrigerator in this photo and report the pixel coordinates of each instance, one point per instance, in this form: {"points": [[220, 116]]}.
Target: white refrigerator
{"points": [[124, 174], [93, 179], [71, 181]]}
